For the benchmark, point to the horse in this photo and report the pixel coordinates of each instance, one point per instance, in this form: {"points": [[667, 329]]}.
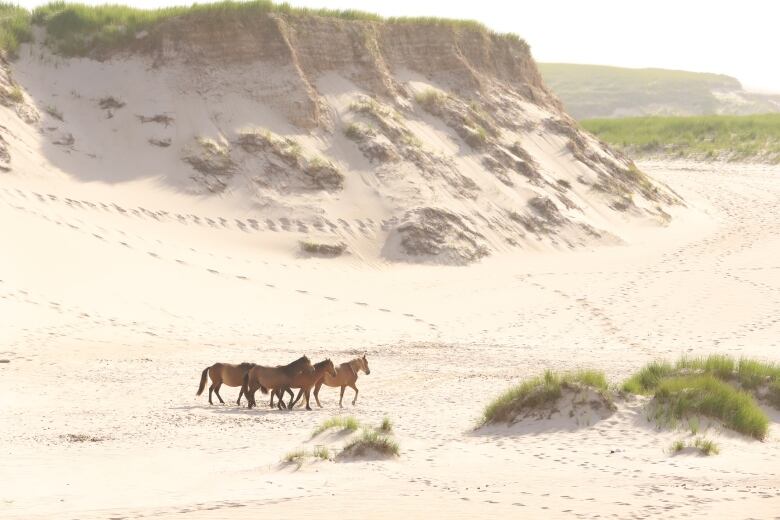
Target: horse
{"points": [[346, 376], [306, 380], [224, 373], [263, 377]]}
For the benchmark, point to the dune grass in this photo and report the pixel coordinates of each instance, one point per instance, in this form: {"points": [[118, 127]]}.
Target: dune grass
{"points": [[15, 27], [707, 137], [371, 440], [716, 386], [748, 373], [705, 446], [75, 29], [348, 423], [538, 391], [678, 398], [386, 425], [295, 457], [321, 452]]}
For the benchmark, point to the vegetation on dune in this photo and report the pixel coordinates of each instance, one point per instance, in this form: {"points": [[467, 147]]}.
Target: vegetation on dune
{"points": [[371, 440], [704, 446], [14, 27], [75, 29], [677, 398], [716, 386], [348, 423], [538, 391], [707, 137]]}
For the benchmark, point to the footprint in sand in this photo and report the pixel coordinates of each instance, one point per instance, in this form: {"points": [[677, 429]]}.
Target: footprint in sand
{"points": [[364, 304], [212, 271], [253, 223]]}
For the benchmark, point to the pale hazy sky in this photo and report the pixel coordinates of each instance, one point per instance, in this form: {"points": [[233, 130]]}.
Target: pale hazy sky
{"points": [[739, 38]]}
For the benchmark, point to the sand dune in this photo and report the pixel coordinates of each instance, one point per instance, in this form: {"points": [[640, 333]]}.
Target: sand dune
{"points": [[109, 315]]}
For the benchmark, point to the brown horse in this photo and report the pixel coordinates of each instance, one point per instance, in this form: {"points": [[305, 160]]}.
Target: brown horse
{"points": [[224, 373], [266, 378], [306, 381], [346, 376]]}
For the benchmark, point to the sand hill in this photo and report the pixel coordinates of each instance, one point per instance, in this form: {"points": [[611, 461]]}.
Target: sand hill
{"points": [[399, 140]]}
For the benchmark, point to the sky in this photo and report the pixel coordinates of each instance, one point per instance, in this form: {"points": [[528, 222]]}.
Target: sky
{"points": [[738, 38]]}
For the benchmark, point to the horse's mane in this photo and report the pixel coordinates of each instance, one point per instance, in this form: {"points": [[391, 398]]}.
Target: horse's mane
{"points": [[321, 363]]}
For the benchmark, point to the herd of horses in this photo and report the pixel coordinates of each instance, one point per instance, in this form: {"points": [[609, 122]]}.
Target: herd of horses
{"points": [[301, 374]]}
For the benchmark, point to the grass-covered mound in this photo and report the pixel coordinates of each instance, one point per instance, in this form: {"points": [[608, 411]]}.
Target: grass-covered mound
{"points": [[753, 137], [75, 29], [370, 443], [717, 386], [581, 392], [699, 445], [342, 424]]}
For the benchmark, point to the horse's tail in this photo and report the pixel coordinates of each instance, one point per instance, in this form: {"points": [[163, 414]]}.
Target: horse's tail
{"points": [[263, 389], [203, 378]]}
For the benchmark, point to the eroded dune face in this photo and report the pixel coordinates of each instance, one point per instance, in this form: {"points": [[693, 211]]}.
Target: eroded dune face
{"points": [[442, 135]]}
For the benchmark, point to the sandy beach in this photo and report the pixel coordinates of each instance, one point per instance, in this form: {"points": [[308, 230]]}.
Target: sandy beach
{"points": [[111, 307]]}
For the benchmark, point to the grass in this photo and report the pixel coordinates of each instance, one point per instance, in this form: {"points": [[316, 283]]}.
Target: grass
{"points": [[709, 137], [356, 131], [76, 29], [15, 27], [348, 423], [321, 452], [705, 446], [295, 457], [430, 98], [716, 386], [371, 440], [386, 426], [15, 94], [679, 398], [538, 391]]}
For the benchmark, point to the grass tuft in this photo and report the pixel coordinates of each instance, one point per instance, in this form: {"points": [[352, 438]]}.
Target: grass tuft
{"points": [[348, 423], [678, 398], [321, 452], [372, 441], [386, 426], [538, 391], [705, 446]]}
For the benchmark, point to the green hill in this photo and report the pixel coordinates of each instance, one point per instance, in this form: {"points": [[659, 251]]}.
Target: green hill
{"points": [[750, 138], [591, 91]]}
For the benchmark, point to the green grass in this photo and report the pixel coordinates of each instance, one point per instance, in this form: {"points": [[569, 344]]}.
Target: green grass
{"points": [[749, 374], [15, 27], [430, 98], [295, 457], [371, 440], [705, 446], [77, 29], [321, 452], [348, 423], [708, 137], [386, 426], [538, 391], [679, 398]]}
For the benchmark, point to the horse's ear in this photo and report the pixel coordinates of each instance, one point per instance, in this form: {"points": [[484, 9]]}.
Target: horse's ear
{"points": [[364, 355]]}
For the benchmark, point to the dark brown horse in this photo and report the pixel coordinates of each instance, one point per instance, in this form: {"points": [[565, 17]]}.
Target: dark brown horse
{"points": [[346, 376], [306, 380], [266, 378], [224, 373]]}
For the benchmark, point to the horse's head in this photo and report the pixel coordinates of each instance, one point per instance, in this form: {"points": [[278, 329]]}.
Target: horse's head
{"points": [[301, 363], [330, 368], [364, 364]]}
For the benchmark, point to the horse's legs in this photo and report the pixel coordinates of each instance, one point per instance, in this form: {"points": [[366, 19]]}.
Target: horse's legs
{"points": [[353, 387], [297, 398], [280, 400], [308, 391], [216, 391], [341, 398], [317, 393], [211, 389], [240, 393], [271, 404], [292, 394]]}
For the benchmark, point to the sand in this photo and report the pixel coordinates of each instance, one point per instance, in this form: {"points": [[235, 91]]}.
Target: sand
{"points": [[109, 312]]}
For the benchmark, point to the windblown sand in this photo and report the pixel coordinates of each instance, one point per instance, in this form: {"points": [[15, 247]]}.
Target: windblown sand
{"points": [[109, 313]]}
